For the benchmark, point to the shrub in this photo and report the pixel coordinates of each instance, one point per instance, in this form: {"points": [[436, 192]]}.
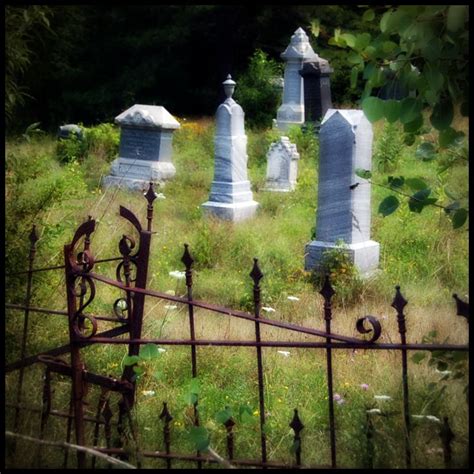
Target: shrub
{"points": [[389, 147], [255, 91]]}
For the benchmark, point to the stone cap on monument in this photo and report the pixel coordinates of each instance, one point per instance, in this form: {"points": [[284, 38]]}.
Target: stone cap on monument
{"points": [[354, 116], [315, 66], [229, 115], [148, 116], [299, 47]]}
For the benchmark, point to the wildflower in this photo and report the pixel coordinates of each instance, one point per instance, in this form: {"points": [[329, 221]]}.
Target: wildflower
{"points": [[293, 298], [147, 428], [443, 372], [341, 401], [374, 411], [160, 196], [346, 384], [285, 353], [170, 306], [382, 397], [268, 309], [168, 292], [148, 393], [364, 386], [336, 397], [177, 274], [427, 417], [160, 349], [256, 412]]}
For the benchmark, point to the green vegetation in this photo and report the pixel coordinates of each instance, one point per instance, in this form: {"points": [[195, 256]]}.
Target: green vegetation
{"points": [[422, 253]]}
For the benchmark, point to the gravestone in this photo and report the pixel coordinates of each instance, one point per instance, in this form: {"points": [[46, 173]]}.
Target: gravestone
{"points": [[145, 149], [70, 129], [317, 88], [282, 166], [291, 111], [230, 197], [343, 211]]}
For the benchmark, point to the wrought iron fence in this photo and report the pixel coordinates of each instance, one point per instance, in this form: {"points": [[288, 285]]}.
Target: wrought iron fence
{"points": [[131, 278]]}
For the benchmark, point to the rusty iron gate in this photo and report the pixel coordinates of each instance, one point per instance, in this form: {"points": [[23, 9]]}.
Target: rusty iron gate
{"points": [[131, 278]]}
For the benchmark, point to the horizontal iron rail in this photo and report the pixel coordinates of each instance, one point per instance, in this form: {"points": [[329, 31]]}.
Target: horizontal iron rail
{"points": [[296, 344], [58, 312], [221, 309], [59, 267], [207, 458], [62, 349]]}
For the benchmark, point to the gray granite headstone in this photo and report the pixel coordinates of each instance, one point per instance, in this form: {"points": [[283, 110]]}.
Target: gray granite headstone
{"points": [[282, 166], [343, 212], [145, 151], [317, 88], [231, 197], [70, 129], [291, 111]]}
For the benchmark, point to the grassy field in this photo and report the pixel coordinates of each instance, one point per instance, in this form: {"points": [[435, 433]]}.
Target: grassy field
{"points": [[57, 188]]}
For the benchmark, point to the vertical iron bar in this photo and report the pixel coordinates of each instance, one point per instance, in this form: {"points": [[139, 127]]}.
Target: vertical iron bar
{"points": [[229, 426], [45, 410], [296, 425], [33, 239], [107, 416], [256, 276], [100, 407], [327, 292], [399, 302], [166, 417], [370, 445], [150, 196], [188, 261], [447, 437]]}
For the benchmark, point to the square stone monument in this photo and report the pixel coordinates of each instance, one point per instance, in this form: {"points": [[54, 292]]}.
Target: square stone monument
{"points": [[343, 211], [291, 112], [282, 166], [145, 147], [231, 197]]}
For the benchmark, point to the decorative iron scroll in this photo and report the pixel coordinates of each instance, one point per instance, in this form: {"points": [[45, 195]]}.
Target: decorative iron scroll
{"points": [[376, 327]]}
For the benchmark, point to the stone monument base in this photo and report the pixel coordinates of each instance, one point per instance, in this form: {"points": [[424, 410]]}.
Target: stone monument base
{"points": [[288, 115], [135, 174], [364, 255], [279, 186], [230, 211]]}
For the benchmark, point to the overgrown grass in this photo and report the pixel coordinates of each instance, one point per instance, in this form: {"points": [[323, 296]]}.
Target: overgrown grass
{"points": [[421, 253]]}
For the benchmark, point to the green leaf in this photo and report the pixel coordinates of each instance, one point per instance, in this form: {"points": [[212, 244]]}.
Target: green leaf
{"points": [[138, 370], [355, 58], [223, 415], [362, 173], [384, 20], [373, 108], [449, 137], [314, 27], [388, 205], [194, 386], [418, 357], [396, 182], [434, 77], [457, 15], [369, 70], [442, 115], [389, 46], [245, 414], [409, 139], [426, 152], [130, 360], [452, 207], [349, 39], [414, 125], [391, 110], [190, 398], [459, 218], [354, 74], [368, 15], [200, 437], [419, 200], [362, 41], [149, 352], [158, 374], [410, 110]]}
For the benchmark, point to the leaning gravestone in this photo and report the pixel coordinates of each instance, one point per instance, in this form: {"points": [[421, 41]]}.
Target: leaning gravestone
{"points": [[317, 88], [70, 129], [145, 147], [230, 197], [291, 112], [343, 212], [282, 166]]}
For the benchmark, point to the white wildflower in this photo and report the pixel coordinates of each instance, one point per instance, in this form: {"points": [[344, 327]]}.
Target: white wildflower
{"points": [[268, 309], [443, 372], [177, 274], [427, 417], [170, 292], [293, 298], [170, 306], [160, 349], [160, 196], [147, 428], [285, 353], [148, 393], [374, 411], [382, 397]]}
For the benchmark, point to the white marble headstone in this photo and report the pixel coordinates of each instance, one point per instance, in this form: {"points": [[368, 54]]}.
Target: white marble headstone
{"points": [[282, 166], [231, 197], [343, 211], [145, 152], [291, 111]]}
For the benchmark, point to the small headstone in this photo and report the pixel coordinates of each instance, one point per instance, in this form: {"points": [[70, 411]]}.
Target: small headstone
{"points": [[344, 211], [291, 111], [317, 88], [230, 197], [145, 151], [70, 129], [282, 166]]}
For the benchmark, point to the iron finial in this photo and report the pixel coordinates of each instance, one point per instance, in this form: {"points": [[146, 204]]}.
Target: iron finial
{"points": [[33, 235], [296, 425], [327, 291], [462, 307], [256, 273], [165, 414], [186, 258], [399, 302]]}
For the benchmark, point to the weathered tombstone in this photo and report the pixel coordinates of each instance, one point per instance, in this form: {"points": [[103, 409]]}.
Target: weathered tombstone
{"points": [[230, 197], [70, 129], [291, 111], [343, 212], [317, 88], [145, 147], [282, 166]]}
